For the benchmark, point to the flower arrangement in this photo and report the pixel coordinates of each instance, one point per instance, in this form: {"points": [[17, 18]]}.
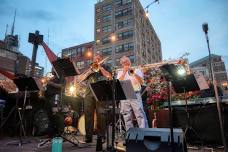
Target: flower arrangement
{"points": [[156, 88]]}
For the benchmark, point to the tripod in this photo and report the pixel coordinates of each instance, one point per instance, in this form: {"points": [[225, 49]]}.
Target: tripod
{"points": [[120, 125]]}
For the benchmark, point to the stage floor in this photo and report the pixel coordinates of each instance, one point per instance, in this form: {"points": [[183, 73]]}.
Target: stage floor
{"points": [[30, 144]]}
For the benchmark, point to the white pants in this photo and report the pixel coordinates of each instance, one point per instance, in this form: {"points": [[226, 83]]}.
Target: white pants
{"points": [[134, 105]]}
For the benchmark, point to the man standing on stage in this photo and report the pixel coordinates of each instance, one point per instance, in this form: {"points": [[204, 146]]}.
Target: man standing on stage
{"points": [[132, 105], [90, 104]]}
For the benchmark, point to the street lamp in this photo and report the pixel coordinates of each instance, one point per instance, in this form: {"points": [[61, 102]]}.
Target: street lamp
{"points": [[113, 38], [88, 54], [205, 29], [147, 7]]}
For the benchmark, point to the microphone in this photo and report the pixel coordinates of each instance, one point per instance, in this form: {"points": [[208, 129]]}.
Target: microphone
{"points": [[205, 27]]}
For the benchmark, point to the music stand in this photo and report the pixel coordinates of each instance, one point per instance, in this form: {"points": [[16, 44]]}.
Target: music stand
{"points": [[64, 68], [184, 85], [181, 84], [112, 90], [24, 84]]}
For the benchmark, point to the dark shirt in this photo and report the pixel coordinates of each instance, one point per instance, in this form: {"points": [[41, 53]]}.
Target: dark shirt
{"points": [[98, 76]]}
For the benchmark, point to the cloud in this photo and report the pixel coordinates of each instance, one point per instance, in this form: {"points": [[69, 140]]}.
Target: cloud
{"points": [[26, 13], [42, 15]]}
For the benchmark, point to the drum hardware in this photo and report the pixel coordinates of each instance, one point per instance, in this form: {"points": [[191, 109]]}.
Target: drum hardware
{"points": [[120, 125], [70, 132]]}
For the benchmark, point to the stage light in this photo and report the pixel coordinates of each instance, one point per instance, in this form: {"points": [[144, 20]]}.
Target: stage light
{"points": [[181, 71], [72, 89]]}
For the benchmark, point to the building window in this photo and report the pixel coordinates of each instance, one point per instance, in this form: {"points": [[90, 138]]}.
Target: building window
{"points": [[98, 30], [105, 40], [98, 10], [107, 28], [83, 50], [125, 35], [98, 20], [80, 64], [98, 41], [107, 51], [107, 8], [122, 2], [118, 61], [89, 62], [119, 48], [107, 18], [124, 47], [124, 23], [132, 58], [79, 51], [118, 2], [124, 12]]}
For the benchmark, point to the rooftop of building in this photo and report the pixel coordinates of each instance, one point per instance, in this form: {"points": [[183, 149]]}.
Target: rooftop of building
{"points": [[203, 59], [80, 45]]}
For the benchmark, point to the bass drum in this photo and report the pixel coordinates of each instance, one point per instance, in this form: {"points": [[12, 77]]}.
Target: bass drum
{"points": [[81, 124], [41, 122]]}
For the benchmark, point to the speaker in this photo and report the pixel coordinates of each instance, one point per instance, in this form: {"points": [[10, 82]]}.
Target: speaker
{"points": [[154, 140]]}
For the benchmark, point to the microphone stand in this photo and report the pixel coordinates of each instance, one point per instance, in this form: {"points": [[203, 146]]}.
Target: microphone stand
{"points": [[170, 116], [205, 29]]}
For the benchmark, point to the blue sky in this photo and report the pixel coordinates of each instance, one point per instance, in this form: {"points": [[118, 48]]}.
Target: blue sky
{"points": [[178, 24]]}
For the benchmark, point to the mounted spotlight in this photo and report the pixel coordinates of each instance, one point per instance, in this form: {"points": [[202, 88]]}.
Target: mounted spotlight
{"points": [[72, 89], [181, 72]]}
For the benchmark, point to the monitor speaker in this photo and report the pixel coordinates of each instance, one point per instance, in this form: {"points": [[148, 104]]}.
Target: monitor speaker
{"points": [[154, 140]]}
